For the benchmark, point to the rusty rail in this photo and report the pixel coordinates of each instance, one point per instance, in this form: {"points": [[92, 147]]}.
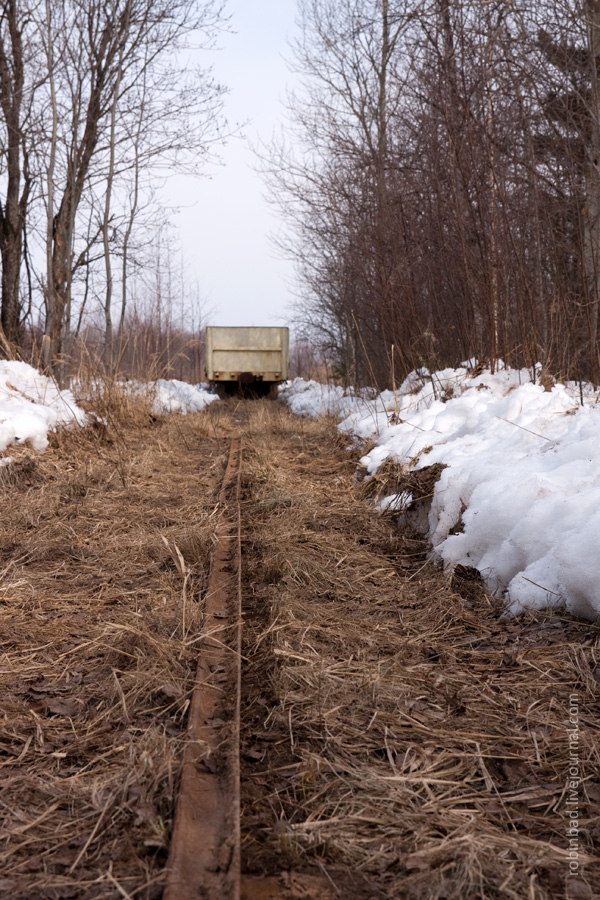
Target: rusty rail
{"points": [[205, 850]]}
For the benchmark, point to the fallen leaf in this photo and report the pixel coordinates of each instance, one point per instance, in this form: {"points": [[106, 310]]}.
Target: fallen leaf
{"points": [[64, 706]]}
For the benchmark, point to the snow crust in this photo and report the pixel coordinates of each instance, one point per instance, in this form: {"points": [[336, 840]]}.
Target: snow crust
{"points": [[519, 498], [31, 405], [310, 398]]}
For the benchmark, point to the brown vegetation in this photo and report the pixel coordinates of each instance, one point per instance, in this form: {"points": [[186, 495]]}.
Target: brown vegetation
{"points": [[410, 742], [95, 100], [441, 180], [400, 738], [104, 549]]}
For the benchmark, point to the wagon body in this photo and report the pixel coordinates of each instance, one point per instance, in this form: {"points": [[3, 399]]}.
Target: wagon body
{"points": [[246, 357]]}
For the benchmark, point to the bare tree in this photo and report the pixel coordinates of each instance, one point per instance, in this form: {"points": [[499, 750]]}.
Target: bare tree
{"points": [[107, 49], [446, 200], [338, 193]]}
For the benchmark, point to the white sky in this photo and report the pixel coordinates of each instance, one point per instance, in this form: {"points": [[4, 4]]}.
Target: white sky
{"points": [[225, 221]]}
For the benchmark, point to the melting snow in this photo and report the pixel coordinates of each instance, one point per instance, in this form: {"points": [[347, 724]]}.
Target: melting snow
{"points": [[172, 396], [309, 398], [522, 474], [31, 405]]}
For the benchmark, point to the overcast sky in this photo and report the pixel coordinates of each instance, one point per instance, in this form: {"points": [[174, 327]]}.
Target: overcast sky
{"points": [[224, 222]]}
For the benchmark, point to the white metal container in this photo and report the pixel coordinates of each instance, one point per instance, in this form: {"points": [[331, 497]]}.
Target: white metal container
{"points": [[246, 356]]}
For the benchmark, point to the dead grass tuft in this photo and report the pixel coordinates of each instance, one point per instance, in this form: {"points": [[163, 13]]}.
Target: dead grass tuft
{"points": [[111, 403], [398, 732], [394, 478]]}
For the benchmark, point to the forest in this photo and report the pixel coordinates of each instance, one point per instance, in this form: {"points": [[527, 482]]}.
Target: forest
{"points": [[98, 99], [440, 176]]}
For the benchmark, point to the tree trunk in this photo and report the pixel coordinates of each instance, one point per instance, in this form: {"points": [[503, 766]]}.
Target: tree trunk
{"points": [[13, 211], [51, 342], [591, 213]]}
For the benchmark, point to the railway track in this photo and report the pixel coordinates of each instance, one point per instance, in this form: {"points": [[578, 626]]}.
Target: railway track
{"points": [[205, 850], [367, 758], [295, 783], [205, 859]]}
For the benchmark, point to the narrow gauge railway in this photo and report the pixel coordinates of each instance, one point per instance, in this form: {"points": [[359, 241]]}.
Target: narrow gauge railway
{"points": [[205, 854], [205, 848], [371, 731], [367, 743]]}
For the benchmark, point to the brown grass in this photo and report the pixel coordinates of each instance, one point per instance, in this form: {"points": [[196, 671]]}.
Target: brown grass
{"points": [[398, 732], [398, 735], [104, 548]]}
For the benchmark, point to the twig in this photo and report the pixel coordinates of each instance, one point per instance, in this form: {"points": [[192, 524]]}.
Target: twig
{"points": [[528, 430], [84, 849]]}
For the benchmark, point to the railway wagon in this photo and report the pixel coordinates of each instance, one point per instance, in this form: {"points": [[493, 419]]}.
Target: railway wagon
{"points": [[250, 361]]}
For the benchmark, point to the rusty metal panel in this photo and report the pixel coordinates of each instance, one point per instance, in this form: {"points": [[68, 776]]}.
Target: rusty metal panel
{"points": [[263, 352]]}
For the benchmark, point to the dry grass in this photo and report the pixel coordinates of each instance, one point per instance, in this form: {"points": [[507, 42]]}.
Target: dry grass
{"points": [[104, 549], [397, 730], [398, 735]]}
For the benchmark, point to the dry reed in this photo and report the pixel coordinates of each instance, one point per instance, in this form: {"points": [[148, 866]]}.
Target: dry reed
{"points": [[398, 735]]}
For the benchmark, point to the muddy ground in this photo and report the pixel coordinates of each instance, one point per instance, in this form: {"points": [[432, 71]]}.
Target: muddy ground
{"points": [[400, 738]]}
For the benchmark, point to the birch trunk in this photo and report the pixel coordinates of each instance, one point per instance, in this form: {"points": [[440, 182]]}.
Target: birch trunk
{"points": [[50, 344]]}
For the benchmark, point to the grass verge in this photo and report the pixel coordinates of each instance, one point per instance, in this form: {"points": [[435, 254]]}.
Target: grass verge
{"points": [[401, 737], [104, 550]]}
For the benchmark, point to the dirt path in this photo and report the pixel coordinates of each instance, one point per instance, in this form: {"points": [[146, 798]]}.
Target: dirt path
{"points": [[399, 740]]}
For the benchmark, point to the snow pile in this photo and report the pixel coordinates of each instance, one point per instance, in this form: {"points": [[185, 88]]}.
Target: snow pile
{"points": [[519, 498], [364, 412], [31, 405], [309, 398], [172, 396]]}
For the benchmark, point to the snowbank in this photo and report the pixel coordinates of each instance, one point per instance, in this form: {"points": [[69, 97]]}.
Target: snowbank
{"points": [[522, 478], [31, 405], [309, 398], [172, 396]]}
